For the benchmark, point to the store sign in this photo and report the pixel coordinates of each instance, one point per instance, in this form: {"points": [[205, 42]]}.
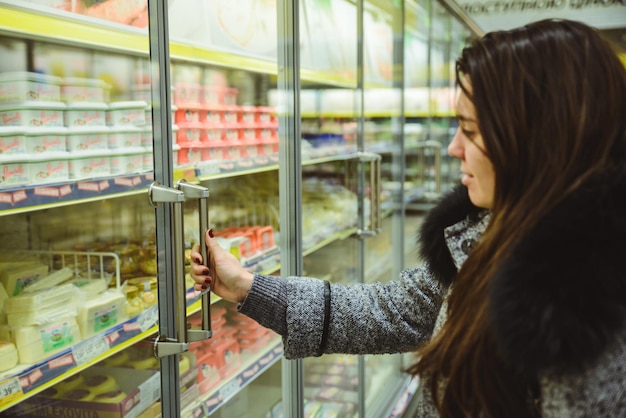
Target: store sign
{"points": [[506, 14]]}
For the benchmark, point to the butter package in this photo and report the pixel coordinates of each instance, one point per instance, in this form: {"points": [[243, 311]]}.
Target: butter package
{"points": [[100, 313], [15, 276], [42, 307], [8, 356], [36, 343]]}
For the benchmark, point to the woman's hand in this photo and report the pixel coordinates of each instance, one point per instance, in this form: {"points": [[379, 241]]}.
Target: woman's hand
{"points": [[229, 279]]}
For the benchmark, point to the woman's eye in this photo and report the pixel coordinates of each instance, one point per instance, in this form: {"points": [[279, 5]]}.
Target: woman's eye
{"points": [[468, 134]]}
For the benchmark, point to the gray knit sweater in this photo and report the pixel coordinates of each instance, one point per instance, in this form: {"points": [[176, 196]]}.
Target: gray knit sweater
{"points": [[397, 316]]}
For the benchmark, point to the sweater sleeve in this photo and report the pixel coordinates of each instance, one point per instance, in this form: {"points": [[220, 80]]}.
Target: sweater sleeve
{"points": [[370, 318]]}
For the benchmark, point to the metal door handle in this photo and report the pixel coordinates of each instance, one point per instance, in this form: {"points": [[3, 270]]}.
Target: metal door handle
{"points": [[192, 191], [168, 346], [375, 225]]}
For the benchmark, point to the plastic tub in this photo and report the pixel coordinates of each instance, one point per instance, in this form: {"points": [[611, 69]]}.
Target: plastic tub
{"points": [[89, 165], [12, 140], [32, 114], [127, 161], [191, 134], [129, 113], [48, 168], [80, 139], [85, 114], [212, 116], [17, 87], [14, 169], [75, 89], [46, 140], [125, 137]]}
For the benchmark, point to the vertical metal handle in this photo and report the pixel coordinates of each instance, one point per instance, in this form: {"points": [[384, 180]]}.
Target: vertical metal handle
{"points": [[192, 191], [374, 160], [169, 346]]}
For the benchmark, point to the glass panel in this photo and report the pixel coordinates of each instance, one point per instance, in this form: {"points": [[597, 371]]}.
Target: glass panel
{"points": [[77, 259]]}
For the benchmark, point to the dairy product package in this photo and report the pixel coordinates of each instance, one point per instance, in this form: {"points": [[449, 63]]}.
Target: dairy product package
{"points": [[89, 288], [41, 307], [36, 343], [52, 279], [16, 275], [3, 298], [100, 313], [8, 356]]}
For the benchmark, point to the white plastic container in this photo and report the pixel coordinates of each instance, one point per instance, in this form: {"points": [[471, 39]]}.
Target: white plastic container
{"points": [[75, 89], [125, 137], [46, 140], [80, 139], [131, 113], [127, 161], [48, 168], [17, 87], [14, 171], [12, 140], [90, 114], [90, 165], [32, 114]]}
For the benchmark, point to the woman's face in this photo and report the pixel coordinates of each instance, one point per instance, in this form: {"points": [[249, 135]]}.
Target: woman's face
{"points": [[468, 146]]}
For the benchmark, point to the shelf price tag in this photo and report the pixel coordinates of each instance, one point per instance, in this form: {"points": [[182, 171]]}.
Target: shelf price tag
{"points": [[9, 390], [90, 349], [148, 318], [229, 389]]}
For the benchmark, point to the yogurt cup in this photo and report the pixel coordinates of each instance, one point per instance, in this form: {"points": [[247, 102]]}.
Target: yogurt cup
{"points": [[32, 114]]}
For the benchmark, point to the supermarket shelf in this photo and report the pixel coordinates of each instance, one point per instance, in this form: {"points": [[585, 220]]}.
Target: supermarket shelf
{"points": [[23, 382], [21, 199]]}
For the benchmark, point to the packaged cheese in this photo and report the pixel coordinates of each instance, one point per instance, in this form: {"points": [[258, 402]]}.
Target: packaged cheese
{"points": [[89, 288], [15, 276], [100, 313], [36, 343], [8, 356], [50, 280], [40, 301]]}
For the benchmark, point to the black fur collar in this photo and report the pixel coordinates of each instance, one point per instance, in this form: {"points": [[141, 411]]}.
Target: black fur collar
{"points": [[452, 208], [559, 299]]}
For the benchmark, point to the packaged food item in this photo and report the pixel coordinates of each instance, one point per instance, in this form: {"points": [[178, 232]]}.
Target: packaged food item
{"points": [[52, 279], [35, 343], [32, 114], [90, 138], [46, 140], [134, 304], [89, 164], [17, 87], [89, 288], [126, 161], [15, 276], [14, 169], [75, 89], [125, 137], [12, 140], [100, 383], [8, 356], [128, 113], [114, 396], [73, 382], [100, 313], [90, 114], [41, 307], [48, 168]]}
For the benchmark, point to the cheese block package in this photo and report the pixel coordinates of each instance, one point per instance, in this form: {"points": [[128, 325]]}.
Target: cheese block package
{"points": [[36, 343], [8, 356], [3, 298], [89, 288], [50, 280], [42, 307], [100, 313], [15, 276]]}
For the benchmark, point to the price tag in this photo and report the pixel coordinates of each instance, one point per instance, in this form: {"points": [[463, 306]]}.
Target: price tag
{"points": [[148, 318], [229, 389], [9, 390], [90, 349]]}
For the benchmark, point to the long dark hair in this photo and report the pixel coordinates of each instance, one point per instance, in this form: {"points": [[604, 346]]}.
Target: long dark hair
{"points": [[550, 99]]}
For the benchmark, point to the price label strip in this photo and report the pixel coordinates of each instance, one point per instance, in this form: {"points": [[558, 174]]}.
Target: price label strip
{"points": [[90, 349], [10, 389]]}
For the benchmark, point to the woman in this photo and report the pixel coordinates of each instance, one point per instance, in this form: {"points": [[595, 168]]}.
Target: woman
{"points": [[520, 307]]}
